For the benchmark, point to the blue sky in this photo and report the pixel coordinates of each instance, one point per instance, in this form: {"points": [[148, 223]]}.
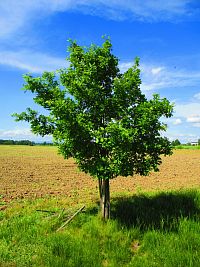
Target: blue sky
{"points": [[164, 34]]}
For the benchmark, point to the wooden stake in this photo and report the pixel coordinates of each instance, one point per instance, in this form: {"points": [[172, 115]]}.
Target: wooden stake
{"points": [[62, 226]]}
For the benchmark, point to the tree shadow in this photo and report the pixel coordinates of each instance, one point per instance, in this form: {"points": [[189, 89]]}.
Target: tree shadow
{"points": [[92, 210], [160, 212]]}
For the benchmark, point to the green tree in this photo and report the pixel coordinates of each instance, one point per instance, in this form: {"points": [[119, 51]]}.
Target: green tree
{"points": [[176, 142], [99, 116]]}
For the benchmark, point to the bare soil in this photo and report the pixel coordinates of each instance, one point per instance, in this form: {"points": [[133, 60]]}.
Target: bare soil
{"points": [[34, 172]]}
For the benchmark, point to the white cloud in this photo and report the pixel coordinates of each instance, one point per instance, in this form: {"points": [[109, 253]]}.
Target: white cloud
{"points": [[152, 10], [21, 134], [124, 66], [196, 125], [194, 118], [183, 137], [187, 110], [31, 61], [155, 77], [15, 15], [157, 70], [197, 96], [15, 133], [191, 112], [177, 121]]}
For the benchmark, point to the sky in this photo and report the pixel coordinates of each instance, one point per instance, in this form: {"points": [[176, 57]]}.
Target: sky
{"points": [[165, 36]]}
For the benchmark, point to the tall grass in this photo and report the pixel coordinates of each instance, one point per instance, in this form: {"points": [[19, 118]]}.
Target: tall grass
{"points": [[161, 229]]}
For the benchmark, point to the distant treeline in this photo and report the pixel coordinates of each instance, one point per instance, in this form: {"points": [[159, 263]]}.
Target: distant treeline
{"points": [[23, 142], [178, 143]]}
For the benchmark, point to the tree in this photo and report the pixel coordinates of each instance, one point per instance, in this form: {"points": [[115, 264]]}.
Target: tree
{"points": [[176, 142], [99, 116]]}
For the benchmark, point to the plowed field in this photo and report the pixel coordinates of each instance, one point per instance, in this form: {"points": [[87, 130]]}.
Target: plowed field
{"points": [[32, 172]]}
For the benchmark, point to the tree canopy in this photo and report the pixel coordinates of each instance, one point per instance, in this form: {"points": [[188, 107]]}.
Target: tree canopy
{"points": [[98, 115], [176, 142]]}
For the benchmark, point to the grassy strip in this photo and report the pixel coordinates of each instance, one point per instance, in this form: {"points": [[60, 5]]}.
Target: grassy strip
{"points": [[187, 147], [161, 229]]}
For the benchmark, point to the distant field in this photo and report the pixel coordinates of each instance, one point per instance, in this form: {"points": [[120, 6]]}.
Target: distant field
{"points": [[38, 171], [187, 147]]}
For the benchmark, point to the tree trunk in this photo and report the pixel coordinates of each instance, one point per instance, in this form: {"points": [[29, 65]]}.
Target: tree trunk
{"points": [[104, 192]]}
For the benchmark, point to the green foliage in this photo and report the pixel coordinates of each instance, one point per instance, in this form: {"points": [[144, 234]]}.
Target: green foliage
{"points": [[98, 115], [13, 142], [176, 142]]}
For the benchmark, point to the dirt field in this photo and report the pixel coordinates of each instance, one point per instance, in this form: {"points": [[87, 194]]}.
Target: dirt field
{"points": [[32, 172]]}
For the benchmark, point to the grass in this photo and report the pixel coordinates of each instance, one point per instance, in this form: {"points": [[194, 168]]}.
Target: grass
{"points": [[187, 147], [151, 229]]}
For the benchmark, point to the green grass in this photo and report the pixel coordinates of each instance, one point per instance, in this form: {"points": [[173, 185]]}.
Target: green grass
{"points": [[187, 147], [155, 229]]}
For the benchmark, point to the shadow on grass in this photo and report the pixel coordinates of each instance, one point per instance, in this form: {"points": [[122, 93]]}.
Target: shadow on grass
{"points": [[160, 212]]}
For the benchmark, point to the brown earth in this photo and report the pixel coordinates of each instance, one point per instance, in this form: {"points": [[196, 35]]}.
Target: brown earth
{"points": [[32, 172]]}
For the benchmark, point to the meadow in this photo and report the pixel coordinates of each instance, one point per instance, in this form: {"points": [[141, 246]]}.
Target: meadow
{"points": [[154, 219]]}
